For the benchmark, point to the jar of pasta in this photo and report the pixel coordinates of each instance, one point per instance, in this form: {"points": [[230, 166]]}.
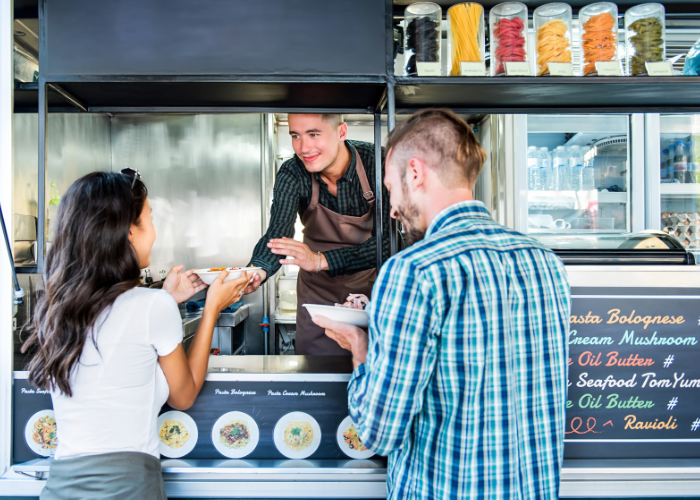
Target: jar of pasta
{"points": [[598, 36], [508, 29], [553, 35], [465, 23], [422, 47], [645, 33]]}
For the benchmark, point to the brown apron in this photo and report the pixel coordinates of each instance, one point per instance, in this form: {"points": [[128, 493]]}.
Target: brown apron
{"points": [[326, 230]]}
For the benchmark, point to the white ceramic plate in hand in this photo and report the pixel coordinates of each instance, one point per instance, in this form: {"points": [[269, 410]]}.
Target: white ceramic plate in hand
{"points": [[208, 276], [352, 453], [229, 450], [307, 447], [191, 428], [38, 448], [357, 317]]}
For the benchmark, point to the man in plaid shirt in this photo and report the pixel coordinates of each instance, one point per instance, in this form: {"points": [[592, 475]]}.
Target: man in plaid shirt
{"points": [[461, 379]]}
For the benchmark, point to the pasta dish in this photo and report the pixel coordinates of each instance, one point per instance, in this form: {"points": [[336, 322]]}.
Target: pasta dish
{"points": [[353, 440], [298, 435], [173, 433], [235, 434], [45, 432]]}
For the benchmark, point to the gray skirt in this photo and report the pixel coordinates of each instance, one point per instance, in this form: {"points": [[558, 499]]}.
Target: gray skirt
{"points": [[112, 476]]}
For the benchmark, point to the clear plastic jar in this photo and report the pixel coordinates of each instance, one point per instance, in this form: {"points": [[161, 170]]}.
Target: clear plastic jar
{"points": [[508, 29], [645, 33], [422, 36], [598, 35], [553, 35], [465, 22]]}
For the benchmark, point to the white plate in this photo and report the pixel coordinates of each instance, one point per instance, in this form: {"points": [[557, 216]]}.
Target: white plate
{"points": [[29, 434], [208, 276], [279, 435], [357, 317], [252, 430], [191, 427], [344, 425]]}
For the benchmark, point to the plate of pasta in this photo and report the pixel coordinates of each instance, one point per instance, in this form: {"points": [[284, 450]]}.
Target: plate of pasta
{"points": [[177, 433], [349, 441], [235, 434], [297, 435], [41, 433]]}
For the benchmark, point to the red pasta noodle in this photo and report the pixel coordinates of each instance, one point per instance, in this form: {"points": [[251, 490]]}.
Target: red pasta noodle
{"points": [[511, 42]]}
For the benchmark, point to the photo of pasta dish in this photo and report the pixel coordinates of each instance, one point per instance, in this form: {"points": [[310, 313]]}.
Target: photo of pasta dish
{"points": [[353, 440], [45, 432], [174, 434], [298, 435], [235, 434]]}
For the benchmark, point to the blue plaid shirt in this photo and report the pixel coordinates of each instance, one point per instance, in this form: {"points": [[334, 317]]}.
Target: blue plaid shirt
{"points": [[464, 386]]}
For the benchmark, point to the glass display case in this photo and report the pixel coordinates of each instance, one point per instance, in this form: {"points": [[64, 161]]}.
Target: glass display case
{"points": [[678, 172], [578, 174]]}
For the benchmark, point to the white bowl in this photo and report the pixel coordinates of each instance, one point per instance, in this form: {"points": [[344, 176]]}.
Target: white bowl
{"points": [[357, 317], [209, 277]]}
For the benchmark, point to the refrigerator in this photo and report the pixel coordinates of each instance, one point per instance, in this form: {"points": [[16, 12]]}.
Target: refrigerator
{"points": [[597, 188]]}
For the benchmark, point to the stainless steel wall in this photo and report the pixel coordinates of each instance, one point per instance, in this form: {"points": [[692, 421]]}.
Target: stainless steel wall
{"points": [[77, 144], [203, 173]]}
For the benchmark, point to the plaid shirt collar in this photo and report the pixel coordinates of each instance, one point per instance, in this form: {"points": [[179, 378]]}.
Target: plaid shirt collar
{"points": [[455, 214]]}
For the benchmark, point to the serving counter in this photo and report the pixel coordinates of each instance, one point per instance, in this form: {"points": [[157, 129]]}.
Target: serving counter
{"points": [[603, 458]]}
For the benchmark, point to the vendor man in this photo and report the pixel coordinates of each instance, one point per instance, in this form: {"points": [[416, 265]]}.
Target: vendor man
{"points": [[330, 183]]}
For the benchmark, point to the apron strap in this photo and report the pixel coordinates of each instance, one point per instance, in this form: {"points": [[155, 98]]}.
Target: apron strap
{"points": [[314, 193], [367, 192]]}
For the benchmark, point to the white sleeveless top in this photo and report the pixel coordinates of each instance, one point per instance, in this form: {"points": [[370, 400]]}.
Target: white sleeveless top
{"points": [[119, 388]]}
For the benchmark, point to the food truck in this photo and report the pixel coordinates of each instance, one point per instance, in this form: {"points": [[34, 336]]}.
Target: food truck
{"points": [[602, 168]]}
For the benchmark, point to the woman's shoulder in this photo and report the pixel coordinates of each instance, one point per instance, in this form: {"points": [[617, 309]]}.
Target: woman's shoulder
{"points": [[149, 298]]}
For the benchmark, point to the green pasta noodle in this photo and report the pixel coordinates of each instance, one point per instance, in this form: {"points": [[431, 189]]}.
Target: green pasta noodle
{"points": [[648, 44]]}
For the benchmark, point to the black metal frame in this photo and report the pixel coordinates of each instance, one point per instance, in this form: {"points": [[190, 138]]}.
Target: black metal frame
{"points": [[488, 89]]}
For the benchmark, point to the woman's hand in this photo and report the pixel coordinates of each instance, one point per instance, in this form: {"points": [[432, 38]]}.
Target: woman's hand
{"points": [[221, 295], [182, 286]]}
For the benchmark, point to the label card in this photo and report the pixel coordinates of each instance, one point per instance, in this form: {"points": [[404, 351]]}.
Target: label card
{"points": [[429, 69], [472, 68], [608, 68], [517, 69], [561, 69], [661, 68]]}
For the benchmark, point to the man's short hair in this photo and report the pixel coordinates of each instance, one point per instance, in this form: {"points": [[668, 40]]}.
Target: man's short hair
{"points": [[334, 119], [444, 141]]}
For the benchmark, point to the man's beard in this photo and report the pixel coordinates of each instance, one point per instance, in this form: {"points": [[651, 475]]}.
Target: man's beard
{"points": [[408, 214]]}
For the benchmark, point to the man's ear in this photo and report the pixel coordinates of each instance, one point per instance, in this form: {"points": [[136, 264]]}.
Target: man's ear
{"points": [[415, 173], [343, 131]]}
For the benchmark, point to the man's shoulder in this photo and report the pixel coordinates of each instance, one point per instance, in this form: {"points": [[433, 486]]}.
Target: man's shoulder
{"points": [[364, 149], [469, 239]]}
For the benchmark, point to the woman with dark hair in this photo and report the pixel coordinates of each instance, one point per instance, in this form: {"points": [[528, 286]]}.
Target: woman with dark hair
{"points": [[110, 352]]}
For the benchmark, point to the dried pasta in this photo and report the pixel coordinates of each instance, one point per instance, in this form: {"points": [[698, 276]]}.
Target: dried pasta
{"points": [[599, 41], [552, 45], [511, 42], [465, 34], [648, 44]]}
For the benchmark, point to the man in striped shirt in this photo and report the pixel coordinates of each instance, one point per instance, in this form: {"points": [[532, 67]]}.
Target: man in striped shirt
{"points": [[461, 379]]}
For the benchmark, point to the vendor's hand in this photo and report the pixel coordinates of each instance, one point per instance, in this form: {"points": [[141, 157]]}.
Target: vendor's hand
{"points": [[221, 295], [304, 257], [349, 337], [182, 286], [255, 284]]}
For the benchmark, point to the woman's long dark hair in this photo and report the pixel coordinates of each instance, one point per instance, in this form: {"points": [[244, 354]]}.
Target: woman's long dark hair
{"points": [[90, 263]]}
